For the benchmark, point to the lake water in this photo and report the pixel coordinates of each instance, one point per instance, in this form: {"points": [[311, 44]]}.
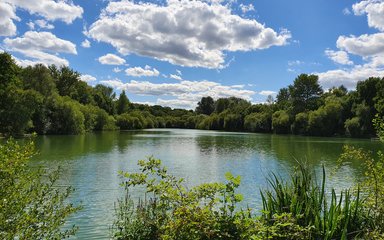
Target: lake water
{"points": [[90, 163]]}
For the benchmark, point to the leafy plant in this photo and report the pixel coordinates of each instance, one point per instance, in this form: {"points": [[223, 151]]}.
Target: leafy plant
{"points": [[31, 207]]}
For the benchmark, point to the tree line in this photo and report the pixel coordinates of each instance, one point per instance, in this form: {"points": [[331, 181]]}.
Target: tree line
{"points": [[301, 108], [53, 100]]}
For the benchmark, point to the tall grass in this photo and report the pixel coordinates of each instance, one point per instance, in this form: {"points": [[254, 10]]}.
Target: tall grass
{"points": [[331, 216]]}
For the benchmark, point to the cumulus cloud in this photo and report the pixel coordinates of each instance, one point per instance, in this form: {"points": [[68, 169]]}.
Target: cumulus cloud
{"points": [[147, 71], [86, 43], [51, 10], [187, 93], [365, 45], [111, 59], [188, 33], [340, 57], [349, 77], [370, 47], [42, 47], [87, 78], [374, 10], [7, 15]]}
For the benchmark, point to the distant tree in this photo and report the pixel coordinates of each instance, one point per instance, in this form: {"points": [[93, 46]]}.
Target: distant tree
{"points": [[122, 104], [305, 93], [205, 106]]}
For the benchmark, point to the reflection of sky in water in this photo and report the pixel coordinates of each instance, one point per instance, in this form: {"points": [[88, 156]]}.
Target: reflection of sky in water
{"points": [[90, 163]]}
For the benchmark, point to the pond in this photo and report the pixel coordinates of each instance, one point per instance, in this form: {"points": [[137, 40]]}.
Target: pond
{"points": [[90, 163]]}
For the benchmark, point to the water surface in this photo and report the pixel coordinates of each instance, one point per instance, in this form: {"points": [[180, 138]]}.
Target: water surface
{"points": [[90, 163]]}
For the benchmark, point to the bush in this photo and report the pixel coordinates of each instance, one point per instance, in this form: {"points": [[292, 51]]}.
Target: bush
{"points": [[206, 211], [30, 205], [280, 122], [258, 122]]}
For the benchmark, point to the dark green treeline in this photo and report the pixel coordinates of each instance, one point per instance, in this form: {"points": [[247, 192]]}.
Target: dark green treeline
{"points": [[53, 100]]}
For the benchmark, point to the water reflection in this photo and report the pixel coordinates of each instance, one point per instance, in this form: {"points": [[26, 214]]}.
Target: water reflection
{"points": [[91, 162]]}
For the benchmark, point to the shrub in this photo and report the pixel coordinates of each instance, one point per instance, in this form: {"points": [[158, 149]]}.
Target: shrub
{"points": [[30, 205]]}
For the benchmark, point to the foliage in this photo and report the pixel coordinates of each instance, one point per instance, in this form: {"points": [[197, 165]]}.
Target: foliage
{"points": [[206, 211], [31, 207], [309, 204], [281, 122], [258, 122], [205, 106], [34, 99], [305, 93]]}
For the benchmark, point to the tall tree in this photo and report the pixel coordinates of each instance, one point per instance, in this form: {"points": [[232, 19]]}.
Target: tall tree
{"points": [[305, 93], [122, 104], [65, 79], [104, 97], [205, 106]]}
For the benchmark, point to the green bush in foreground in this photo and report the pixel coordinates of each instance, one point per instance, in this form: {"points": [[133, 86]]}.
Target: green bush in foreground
{"points": [[298, 209], [31, 207]]}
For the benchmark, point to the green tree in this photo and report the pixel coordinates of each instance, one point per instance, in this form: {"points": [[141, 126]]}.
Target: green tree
{"points": [[39, 78], [65, 78], [258, 122], [31, 207], [205, 106], [305, 93], [122, 104], [104, 97], [281, 122]]}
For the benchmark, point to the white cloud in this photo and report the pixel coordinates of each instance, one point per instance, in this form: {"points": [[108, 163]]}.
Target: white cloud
{"points": [[174, 76], [42, 47], [188, 93], [349, 77], [40, 41], [86, 43], [295, 63], [246, 8], [178, 72], [340, 57], [182, 32], [42, 24], [370, 47], [147, 71], [51, 10], [267, 93], [111, 59], [87, 78], [116, 70], [374, 10], [7, 15], [365, 45], [176, 103]]}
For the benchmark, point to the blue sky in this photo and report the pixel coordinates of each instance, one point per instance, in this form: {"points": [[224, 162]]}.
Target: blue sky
{"points": [[174, 52]]}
